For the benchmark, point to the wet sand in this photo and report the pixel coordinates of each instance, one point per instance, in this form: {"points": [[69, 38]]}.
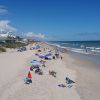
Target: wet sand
{"points": [[88, 83]]}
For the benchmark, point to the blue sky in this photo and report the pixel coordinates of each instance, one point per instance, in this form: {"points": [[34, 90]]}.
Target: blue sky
{"points": [[56, 19]]}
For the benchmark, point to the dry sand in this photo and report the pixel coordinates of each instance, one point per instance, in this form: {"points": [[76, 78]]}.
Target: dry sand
{"points": [[14, 67]]}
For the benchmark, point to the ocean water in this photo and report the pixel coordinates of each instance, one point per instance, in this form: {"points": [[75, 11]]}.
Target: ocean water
{"points": [[84, 47], [85, 50]]}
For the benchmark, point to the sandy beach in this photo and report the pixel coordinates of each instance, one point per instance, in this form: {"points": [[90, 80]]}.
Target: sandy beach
{"points": [[87, 77], [15, 65], [49, 49]]}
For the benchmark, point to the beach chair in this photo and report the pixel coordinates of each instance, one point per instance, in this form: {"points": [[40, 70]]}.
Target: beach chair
{"points": [[34, 67], [39, 71], [39, 50], [53, 73], [44, 65], [27, 80]]}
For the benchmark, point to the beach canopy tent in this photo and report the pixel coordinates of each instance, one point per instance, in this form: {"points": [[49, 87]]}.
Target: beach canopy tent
{"points": [[45, 55], [48, 55], [42, 57]]}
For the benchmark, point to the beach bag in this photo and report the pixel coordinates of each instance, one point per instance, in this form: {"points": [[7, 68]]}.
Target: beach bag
{"points": [[25, 79]]}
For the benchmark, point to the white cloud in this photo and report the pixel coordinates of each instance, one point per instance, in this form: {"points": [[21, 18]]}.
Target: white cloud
{"points": [[40, 35], [5, 27], [3, 10], [35, 36]]}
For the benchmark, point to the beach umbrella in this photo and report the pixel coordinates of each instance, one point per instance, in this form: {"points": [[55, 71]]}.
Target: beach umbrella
{"points": [[29, 75], [34, 61]]}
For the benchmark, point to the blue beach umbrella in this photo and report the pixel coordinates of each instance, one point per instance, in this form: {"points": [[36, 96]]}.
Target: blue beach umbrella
{"points": [[34, 61]]}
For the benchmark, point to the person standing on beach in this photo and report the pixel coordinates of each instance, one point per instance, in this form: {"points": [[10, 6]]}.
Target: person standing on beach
{"points": [[54, 57], [61, 57], [44, 49]]}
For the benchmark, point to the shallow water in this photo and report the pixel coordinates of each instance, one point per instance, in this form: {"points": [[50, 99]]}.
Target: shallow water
{"points": [[95, 59]]}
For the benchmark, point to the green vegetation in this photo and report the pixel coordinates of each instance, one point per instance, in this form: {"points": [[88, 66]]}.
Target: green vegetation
{"points": [[2, 49], [14, 45]]}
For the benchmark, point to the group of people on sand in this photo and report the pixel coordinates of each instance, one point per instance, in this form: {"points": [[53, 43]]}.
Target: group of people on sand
{"points": [[28, 78], [57, 55]]}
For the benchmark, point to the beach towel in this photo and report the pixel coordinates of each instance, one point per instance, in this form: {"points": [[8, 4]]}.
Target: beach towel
{"points": [[62, 85], [27, 80]]}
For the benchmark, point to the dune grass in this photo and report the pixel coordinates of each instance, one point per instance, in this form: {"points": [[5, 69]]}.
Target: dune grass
{"points": [[14, 45], [2, 49]]}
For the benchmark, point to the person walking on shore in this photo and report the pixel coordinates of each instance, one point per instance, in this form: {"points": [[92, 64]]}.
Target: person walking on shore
{"points": [[61, 57]]}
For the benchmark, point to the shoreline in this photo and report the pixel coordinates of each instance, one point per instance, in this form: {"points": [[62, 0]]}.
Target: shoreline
{"points": [[87, 77], [45, 86], [93, 59]]}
